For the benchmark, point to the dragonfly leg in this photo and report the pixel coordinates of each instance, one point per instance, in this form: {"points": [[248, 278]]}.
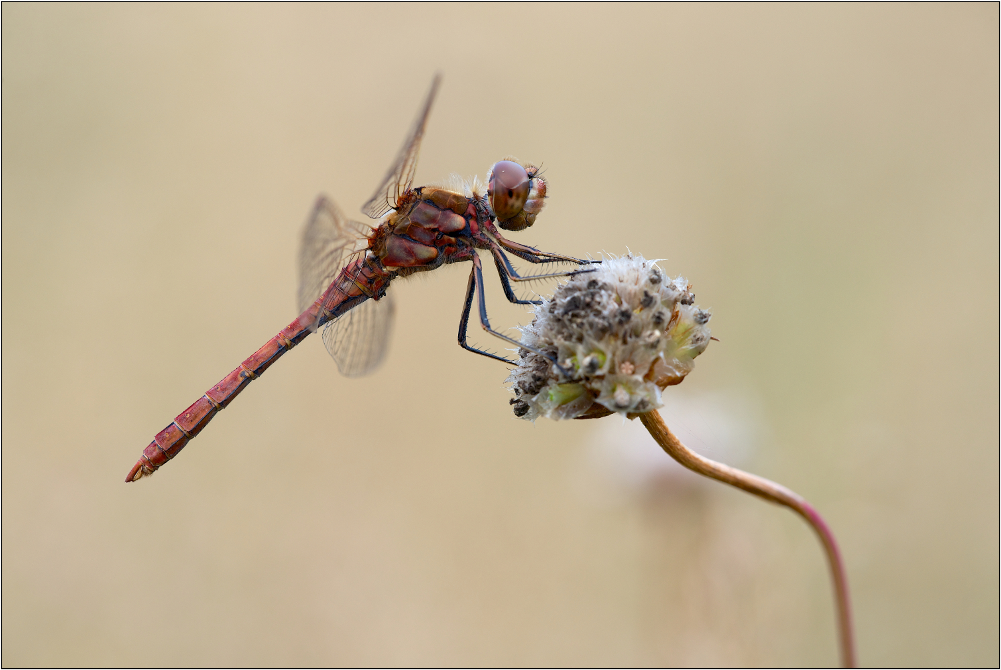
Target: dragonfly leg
{"points": [[502, 272], [508, 272], [476, 286], [464, 321], [533, 255]]}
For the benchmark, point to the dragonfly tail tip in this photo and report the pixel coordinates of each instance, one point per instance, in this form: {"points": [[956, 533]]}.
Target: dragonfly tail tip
{"points": [[136, 473]]}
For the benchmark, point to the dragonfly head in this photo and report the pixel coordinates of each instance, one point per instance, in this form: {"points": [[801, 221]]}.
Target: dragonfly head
{"points": [[517, 193]]}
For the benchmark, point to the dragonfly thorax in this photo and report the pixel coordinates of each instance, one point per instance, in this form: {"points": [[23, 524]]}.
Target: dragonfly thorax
{"points": [[430, 226]]}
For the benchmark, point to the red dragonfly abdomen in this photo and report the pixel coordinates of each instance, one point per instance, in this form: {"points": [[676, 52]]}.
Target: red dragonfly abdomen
{"points": [[362, 279]]}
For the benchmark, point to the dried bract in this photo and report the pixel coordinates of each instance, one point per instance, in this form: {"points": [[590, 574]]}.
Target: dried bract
{"points": [[624, 331]]}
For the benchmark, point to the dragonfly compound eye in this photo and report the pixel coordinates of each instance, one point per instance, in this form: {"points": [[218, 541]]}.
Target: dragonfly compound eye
{"points": [[508, 190]]}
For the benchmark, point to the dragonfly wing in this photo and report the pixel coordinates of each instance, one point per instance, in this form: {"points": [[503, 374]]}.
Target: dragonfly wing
{"points": [[328, 242], [359, 339], [401, 175]]}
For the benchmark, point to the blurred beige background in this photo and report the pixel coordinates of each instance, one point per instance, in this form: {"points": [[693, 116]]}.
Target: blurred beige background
{"points": [[826, 176]]}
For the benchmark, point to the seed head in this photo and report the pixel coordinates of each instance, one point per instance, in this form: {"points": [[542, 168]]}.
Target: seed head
{"points": [[624, 331]]}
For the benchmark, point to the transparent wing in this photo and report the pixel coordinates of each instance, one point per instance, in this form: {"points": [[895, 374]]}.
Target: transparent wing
{"points": [[328, 242], [358, 340], [401, 175]]}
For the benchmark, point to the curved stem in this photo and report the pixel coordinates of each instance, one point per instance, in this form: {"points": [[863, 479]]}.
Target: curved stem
{"points": [[775, 493]]}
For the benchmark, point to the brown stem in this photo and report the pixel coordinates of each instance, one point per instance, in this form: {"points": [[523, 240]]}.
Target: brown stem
{"points": [[763, 488]]}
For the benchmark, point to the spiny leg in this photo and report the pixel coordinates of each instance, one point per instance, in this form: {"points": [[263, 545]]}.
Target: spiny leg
{"points": [[464, 321], [506, 283], [533, 255], [507, 273], [476, 285], [538, 259], [505, 268]]}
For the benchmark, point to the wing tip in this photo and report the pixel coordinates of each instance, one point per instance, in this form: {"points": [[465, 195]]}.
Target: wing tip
{"points": [[382, 201]]}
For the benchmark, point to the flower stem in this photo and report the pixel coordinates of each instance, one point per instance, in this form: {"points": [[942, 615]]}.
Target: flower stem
{"points": [[775, 493]]}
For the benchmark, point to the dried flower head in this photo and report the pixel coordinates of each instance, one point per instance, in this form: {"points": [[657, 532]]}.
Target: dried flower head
{"points": [[624, 331]]}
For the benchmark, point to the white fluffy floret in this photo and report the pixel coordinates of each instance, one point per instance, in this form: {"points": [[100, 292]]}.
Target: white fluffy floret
{"points": [[624, 331]]}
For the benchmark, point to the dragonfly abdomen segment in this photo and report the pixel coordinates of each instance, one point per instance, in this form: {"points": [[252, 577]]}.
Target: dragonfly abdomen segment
{"points": [[361, 279], [186, 425]]}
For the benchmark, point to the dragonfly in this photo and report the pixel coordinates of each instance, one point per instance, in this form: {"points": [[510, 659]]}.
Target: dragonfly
{"points": [[346, 267]]}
